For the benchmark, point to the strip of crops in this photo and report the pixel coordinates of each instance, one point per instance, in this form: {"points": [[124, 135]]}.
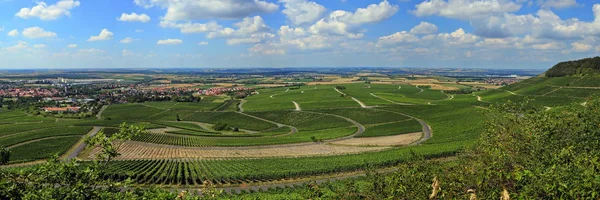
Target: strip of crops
{"points": [[278, 131], [37, 134], [304, 120], [186, 126], [362, 92], [130, 112], [587, 82], [195, 141], [575, 92], [10, 129], [42, 149], [449, 122], [396, 128], [365, 116], [251, 170], [228, 105], [232, 119]]}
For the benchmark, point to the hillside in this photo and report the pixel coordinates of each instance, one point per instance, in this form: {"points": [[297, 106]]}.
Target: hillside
{"points": [[582, 67]]}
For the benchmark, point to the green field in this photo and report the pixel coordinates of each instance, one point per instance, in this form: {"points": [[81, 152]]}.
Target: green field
{"points": [[366, 116], [394, 128], [252, 170], [42, 149], [195, 141], [304, 120], [326, 114]]}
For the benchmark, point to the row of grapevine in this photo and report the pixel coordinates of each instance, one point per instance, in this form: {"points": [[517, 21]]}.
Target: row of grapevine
{"points": [[197, 141], [234, 171]]}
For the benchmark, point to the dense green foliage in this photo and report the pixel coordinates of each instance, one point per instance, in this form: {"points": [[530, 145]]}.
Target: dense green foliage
{"points": [[586, 66]]}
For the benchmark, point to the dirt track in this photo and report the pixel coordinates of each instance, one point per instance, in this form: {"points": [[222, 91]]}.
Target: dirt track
{"points": [[395, 140]]}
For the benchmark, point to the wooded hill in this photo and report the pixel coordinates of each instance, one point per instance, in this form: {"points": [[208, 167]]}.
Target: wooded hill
{"points": [[582, 67]]}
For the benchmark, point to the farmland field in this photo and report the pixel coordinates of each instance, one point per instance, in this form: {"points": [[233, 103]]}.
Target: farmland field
{"points": [[394, 128], [324, 134]]}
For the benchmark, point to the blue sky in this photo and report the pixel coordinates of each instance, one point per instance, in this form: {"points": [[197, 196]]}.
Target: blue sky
{"points": [[296, 33]]}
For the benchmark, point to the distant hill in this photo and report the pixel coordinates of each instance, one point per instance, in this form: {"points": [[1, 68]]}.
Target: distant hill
{"points": [[583, 67]]}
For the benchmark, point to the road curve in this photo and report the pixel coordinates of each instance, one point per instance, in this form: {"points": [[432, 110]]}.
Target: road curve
{"points": [[297, 106], [426, 128]]}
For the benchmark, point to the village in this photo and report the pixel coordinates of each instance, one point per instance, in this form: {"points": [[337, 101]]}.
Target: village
{"points": [[65, 98]]}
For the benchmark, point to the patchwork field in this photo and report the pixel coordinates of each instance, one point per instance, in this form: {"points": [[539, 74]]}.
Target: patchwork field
{"points": [[339, 125]]}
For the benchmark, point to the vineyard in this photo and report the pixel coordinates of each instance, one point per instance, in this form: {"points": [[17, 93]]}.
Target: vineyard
{"points": [[235, 171], [214, 140], [195, 141]]}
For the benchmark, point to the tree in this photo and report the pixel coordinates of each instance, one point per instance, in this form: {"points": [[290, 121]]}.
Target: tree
{"points": [[219, 126], [4, 155], [110, 144]]}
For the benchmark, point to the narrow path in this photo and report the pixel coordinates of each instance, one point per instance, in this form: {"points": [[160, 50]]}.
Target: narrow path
{"points": [[547, 108], [339, 91], [272, 96], [39, 139], [426, 128], [363, 105], [511, 92], [297, 106], [240, 106], [99, 115], [80, 145], [398, 103], [419, 88]]}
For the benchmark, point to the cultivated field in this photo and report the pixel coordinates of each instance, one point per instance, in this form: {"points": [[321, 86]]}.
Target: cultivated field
{"points": [[326, 127]]}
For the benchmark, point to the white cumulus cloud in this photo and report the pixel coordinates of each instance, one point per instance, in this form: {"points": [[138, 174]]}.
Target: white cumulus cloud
{"points": [[126, 40], [203, 43], [209, 9], [104, 35], [302, 11], [72, 46], [134, 17], [465, 9], [37, 32], [39, 46], [48, 12], [13, 33], [424, 28], [169, 42]]}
